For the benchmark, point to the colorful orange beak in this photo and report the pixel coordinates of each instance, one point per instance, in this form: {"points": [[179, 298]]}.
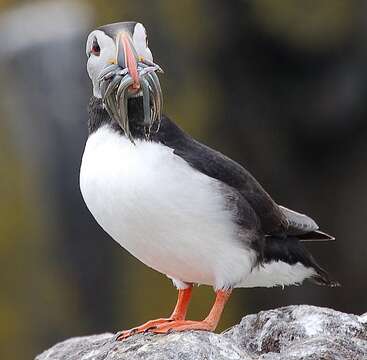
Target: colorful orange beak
{"points": [[127, 58]]}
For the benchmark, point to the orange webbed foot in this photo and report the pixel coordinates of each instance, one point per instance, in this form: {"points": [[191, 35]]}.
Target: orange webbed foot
{"points": [[179, 313], [142, 328], [183, 325], [177, 320]]}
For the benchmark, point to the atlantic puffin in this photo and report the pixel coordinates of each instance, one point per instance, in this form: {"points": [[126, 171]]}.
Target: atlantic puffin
{"points": [[175, 204]]}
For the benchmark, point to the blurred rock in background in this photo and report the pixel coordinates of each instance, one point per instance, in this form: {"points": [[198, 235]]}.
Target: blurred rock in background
{"points": [[278, 86]]}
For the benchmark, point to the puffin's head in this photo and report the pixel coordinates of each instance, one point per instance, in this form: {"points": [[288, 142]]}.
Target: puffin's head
{"points": [[120, 65]]}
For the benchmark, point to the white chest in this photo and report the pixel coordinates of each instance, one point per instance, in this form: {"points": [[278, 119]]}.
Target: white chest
{"points": [[165, 213]]}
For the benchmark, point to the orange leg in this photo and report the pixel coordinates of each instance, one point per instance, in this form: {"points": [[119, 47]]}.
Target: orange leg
{"points": [[178, 314], [208, 324]]}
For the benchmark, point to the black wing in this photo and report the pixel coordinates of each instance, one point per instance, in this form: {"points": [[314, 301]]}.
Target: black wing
{"points": [[251, 199], [218, 166]]}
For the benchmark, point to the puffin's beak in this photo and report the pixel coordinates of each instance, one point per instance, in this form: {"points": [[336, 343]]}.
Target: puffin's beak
{"points": [[126, 57]]}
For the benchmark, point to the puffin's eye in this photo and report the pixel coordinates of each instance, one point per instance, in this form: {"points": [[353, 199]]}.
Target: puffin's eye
{"points": [[96, 50]]}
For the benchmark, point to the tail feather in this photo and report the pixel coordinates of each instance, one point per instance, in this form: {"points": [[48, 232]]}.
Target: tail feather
{"points": [[315, 236], [291, 251]]}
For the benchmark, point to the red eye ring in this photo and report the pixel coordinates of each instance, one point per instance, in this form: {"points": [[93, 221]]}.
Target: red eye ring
{"points": [[96, 50]]}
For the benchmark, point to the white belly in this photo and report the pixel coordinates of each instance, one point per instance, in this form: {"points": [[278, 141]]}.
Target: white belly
{"points": [[168, 215]]}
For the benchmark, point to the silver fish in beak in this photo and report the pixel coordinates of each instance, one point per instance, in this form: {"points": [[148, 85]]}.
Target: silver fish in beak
{"points": [[131, 76]]}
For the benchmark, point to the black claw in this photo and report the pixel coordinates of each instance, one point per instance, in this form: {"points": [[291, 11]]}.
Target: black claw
{"points": [[118, 336], [150, 328]]}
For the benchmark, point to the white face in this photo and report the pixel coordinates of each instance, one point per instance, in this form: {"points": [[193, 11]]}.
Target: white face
{"points": [[102, 51]]}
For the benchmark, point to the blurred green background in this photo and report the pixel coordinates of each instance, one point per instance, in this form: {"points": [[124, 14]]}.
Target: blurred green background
{"points": [[280, 86]]}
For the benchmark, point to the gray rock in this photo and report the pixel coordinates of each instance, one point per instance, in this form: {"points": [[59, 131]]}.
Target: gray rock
{"points": [[183, 346], [289, 333], [302, 332]]}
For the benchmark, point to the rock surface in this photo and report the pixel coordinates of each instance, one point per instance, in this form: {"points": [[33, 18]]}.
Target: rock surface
{"points": [[289, 333]]}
